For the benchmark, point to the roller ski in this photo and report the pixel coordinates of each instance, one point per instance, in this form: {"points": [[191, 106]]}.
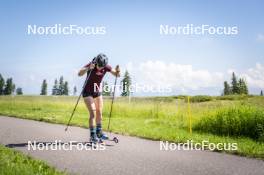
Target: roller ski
{"points": [[102, 136]]}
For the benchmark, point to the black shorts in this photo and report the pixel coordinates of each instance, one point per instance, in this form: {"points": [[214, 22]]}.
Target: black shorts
{"points": [[92, 94]]}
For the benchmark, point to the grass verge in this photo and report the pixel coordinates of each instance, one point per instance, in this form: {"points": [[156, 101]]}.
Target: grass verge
{"points": [[15, 162]]}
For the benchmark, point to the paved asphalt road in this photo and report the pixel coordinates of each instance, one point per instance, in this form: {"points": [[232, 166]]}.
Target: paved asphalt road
{"points": [[131, 156]]}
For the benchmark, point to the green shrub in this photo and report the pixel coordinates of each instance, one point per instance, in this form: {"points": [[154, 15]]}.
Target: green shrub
{"points": [[233, 97], [180, 96], [236, 121], [199, 98]]}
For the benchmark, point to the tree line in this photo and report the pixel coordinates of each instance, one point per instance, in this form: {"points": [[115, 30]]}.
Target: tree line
{"points": [[60, 87], [7, 87], [237, 86]]}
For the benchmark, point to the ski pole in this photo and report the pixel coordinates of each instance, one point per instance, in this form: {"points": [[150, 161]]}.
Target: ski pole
{"points": [[86, 80], [111, 108]]}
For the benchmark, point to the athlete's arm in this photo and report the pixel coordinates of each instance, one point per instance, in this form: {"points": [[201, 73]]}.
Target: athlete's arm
{"points": [[116, 71], [85, 69]]}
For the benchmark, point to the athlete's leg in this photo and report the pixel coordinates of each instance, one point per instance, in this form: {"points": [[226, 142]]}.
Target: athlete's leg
{"points": [[99, 115], [90, 104], [99, 109]]}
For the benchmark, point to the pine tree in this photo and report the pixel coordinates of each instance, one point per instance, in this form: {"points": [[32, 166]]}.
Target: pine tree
{"points": [[238, 86], [227, 90], [65, 89], [242, 87], [126, 83], [235, 88], [106, 90], [61, 86], [19, 91], [8, 89], [55, 89], [261, 93], [2, 84], [74, 90], [44, 87], [13, 88], [245, 87]]}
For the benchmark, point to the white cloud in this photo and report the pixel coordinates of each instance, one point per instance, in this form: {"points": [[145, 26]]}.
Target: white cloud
{"points": [[255, 76], [260, 37], [178, 76], [185, 78]]}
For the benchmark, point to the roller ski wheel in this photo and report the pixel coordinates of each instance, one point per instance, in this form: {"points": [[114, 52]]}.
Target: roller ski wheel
{"points": [[115, 139]]}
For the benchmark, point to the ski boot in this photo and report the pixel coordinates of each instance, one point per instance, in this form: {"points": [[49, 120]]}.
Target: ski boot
{"points": [[102, 136], [93, 138], [99, 133]]}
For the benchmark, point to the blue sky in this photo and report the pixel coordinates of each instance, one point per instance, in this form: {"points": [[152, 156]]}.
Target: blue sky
{"points": [[133, 40]]}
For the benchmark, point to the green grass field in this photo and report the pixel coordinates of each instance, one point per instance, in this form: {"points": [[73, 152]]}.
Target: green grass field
{"points": [[231, 119], [14, 162]]}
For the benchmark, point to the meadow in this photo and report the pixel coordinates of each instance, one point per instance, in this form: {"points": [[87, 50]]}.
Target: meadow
{"points": [[224, 119]]}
